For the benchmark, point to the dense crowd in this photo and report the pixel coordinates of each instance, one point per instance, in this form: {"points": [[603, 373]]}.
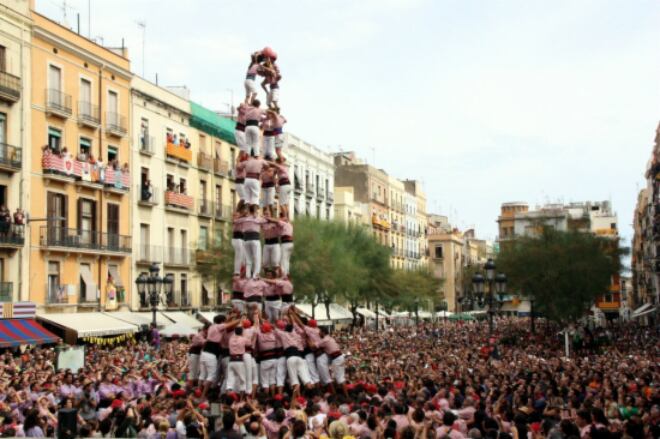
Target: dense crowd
{"points": [[433, 380]]}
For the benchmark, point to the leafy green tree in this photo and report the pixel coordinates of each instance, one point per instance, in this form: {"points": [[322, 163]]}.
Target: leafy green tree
{"points": [[216, 263], [563, 271]]}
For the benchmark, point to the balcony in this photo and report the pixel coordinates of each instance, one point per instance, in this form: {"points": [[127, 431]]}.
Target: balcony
{"points": [[148, 254], [176, 256], [204, 161], [83, 241], [179, 152], [329, 197], [10, 87], [221, 167], [179, 202], [223, 212], [204, 208], [89, 115], [14, 238], [147, 145], [179, 299], [115, 124], [319, 194], [10, 157], [202, 254], [56, 295], [297, 187], [58, 103], [148, 195], [60, 167], [6, 292], [309, 190]]}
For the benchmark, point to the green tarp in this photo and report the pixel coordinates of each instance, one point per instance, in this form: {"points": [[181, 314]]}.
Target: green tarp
{"points": [[461, 317], [209, 122]]}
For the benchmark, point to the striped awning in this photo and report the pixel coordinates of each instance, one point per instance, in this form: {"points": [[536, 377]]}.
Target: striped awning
{"points": [[14, 332]]}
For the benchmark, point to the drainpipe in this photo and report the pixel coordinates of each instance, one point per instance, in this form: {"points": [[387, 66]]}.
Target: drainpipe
{"points": [[23, 292], [100, 220]]}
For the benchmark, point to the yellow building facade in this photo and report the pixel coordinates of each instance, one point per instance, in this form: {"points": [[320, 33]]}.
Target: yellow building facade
{"points": [[79, 201]]}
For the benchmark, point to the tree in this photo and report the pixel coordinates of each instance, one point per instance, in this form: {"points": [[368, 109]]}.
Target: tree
{"points": [[217, 262], [563, 271]]}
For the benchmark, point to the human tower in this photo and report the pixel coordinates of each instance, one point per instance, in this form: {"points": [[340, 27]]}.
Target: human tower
{"points": [[263, 342]]}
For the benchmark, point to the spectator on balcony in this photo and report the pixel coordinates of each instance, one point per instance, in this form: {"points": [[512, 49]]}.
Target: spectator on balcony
{"points": [[5, 221], [175, 141], [187, 144], [19, 222], [170, 137], [146, 190]]}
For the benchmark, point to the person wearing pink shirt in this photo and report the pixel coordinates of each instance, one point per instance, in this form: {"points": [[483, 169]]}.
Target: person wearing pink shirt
{"points": [[286, 243], [251, 370], [253, 118], [237, 296], [212, 350], [236, 374], [332, 360], [268, 351], [278, 133], [271, 232], [251, 226], [312, 340], [272, 299], [283, 185], [268, 190], [194, 352], [239, 130], [269, 137], [240, 176], [237, 239], [293, 344], [285, 289], [251, 79], [253, 168]]}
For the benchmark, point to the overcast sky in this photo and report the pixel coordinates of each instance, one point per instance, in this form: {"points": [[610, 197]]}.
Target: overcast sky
{"points": [[485, 101]]}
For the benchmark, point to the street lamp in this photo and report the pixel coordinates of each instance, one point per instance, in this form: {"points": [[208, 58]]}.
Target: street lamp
{"points": [[151, 285], [496, 285]]}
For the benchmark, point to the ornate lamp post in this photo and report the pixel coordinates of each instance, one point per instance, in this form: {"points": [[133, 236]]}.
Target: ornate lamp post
{"points": [[496, 285], [151, 285]]}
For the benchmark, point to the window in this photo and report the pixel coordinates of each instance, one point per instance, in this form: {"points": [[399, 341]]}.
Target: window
{"points": [[54, 139], [217, 235], [144, 133], [171, 186], [184, 239], [85, 149], [202, 142], [86, 284], [613, 226], [218, 196], [53, 281], [182, 185], [87, 221], [113, 106], [3, 59], [113, 225], [203, 238], [144, 242], [85, 97], [112, 154], [318, 211], [438, 252], [170, 237], [3, 128], [55, 82], [327, 213], [184, 289], [202, 190]]}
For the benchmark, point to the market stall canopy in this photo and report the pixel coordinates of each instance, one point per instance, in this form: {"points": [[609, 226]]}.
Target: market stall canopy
{"points": [[444, 314], [461, 316], [178, 330], [207, 316], [15, 332], [183, 318], [90, 324], [337, 313], [367, 313], [140, 318]]}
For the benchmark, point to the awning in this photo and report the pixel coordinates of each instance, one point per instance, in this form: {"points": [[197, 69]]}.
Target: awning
{"points": [[207, 315], [366, 313], [90, 286], [337, 312], [112, 269], [89, 324], [183, 318], [644, 313], [209, 122], [14, 332], [178, 330], [140, 318], [641, 309], [444, 314]]}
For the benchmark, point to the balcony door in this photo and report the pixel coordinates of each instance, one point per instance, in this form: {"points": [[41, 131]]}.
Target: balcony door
{"points": [[144, 242], [87, 223], [55, 97], [56, 212], [3, 129], [113, 105], [113, 226]]}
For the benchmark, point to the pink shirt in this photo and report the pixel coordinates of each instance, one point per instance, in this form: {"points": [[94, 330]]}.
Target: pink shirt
{"points": [[270, 229], [329, 345], [238, 283], [251, 335], [313, 336], [266, 341], [286, 228], [282, 171], [254, 165], [279, 121], [254, 287], [252, 70], [254, 113], [291, 339], [251, 224], [237, 344], [215, 332], [240, 170], [271, 290], [198, 340], [241, 113], [268, 124], [284, 287]]}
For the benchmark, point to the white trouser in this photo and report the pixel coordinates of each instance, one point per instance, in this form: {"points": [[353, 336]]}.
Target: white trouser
{"points": [[279, 141], [251, 190], [284, 194], [280, 374], [268, 372], [239, 304], [208, 367], [252, 258], [324, 369], [273, 309], [250, 86], [285, 307], [297, 369], [311, 366], [240, 190], [338, 370], [223, 371], [273, 96], [286, 250], [240, 140], [252, 139], [267, 196], [272, 255], [269, 147], [236, 376], [239, 254], [251, 373], [193, 366]]}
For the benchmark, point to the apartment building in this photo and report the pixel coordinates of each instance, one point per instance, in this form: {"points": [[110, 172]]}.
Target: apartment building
{"points": [[79, 235]]}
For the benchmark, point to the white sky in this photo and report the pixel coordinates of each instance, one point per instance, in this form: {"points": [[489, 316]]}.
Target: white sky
{"points": [[485, 101]]}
